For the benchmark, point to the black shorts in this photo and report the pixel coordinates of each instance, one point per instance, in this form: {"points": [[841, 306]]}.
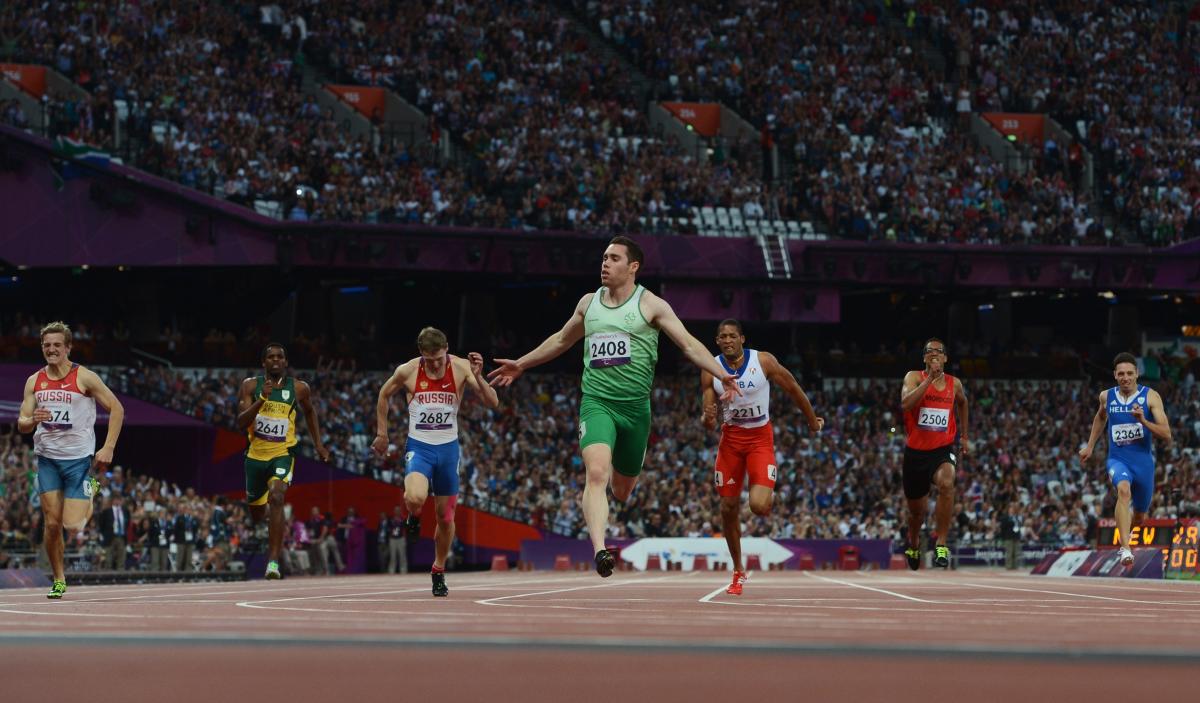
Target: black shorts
{"points": [[920, 466]]}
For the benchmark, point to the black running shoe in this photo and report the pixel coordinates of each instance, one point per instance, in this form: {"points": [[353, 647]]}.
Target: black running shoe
{"points": [[605, 563], [913, 555], [941, 556], [413, 527], [439, 584]]}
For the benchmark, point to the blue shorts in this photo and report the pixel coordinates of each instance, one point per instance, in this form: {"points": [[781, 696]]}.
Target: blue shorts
{"points": [[436, 462], [66, 475], [1140, 476]]}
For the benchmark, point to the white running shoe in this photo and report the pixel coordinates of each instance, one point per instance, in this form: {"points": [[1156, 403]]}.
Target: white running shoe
{"points": [[1126, 556]]}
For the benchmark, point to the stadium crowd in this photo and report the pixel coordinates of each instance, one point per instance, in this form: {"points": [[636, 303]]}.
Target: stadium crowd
{"points": [[863, 117], [555, 132], [1120, 77]]}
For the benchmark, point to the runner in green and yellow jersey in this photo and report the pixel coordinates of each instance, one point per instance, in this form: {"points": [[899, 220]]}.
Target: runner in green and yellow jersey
{"points": [[619, 324], [267, 411]]}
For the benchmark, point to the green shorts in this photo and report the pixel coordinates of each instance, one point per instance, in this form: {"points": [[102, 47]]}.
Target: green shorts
{"points": [[621, 424], [260, 472]]}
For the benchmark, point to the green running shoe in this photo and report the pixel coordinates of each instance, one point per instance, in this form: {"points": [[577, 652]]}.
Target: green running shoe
{"points": [[273, 571], [57, 590], [913, 555], [91, 487], [941, 556]]}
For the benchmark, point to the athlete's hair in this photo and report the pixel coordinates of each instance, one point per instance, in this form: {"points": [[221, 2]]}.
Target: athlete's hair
{"points": [[933, 339], [729, 321], [1124, 358], [57, 327], [273, 345], [431, 339], [635, 252]]}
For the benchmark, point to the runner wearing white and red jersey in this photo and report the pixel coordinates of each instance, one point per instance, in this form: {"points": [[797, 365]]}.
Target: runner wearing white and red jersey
{"points": [[435, 383], [747, 439], [935, 414], [59, 406]]}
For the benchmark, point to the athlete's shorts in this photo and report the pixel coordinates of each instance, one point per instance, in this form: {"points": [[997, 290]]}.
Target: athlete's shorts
{"points": [[260, 473], [919, 467], [66, 475], [1140, 476], [745, 451], [623, 425], [436, 462]]}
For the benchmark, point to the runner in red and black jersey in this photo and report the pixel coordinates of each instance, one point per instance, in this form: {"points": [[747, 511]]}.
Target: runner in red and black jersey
{"points": [[935, 409]]}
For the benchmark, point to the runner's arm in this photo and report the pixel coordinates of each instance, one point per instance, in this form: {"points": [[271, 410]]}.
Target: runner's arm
{"points": [[304, 398], [247, 407], [962, 415], [1161, 427], [1097, 427], [913, 391], [708, 400], [664, 318], [389, 389], [26, 422], [777, 374], [552, 348], [94, 386], [475, 381]]}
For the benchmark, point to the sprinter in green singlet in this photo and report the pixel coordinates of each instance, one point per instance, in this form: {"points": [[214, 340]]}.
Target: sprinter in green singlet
{"points": [[619, 324], [267, 412]]}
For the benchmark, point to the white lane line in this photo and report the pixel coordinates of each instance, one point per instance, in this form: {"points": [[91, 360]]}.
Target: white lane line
{"points": [[1064, 593], [589, 587], [720, 589], [840, 582]]}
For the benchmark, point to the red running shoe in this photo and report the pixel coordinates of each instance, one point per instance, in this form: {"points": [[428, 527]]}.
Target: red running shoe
{"points": [[735, 588]]}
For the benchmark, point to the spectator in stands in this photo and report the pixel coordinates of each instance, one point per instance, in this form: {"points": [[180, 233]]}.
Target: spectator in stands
{"points": [[114, 525]]}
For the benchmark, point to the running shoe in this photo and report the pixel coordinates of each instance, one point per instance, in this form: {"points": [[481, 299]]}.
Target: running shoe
{"points": [[1126, 555], [57, 590], [941, 556], [413, 526], [91, 487], [605, 563], [273, 571], [439, 584], [735, 588], [913, 555]]}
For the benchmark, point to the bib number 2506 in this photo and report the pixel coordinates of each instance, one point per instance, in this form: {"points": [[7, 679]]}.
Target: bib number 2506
{"points": [[934, 419]]}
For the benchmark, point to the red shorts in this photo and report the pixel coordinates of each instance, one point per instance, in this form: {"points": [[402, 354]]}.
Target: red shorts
{"points": [[745, 451]]}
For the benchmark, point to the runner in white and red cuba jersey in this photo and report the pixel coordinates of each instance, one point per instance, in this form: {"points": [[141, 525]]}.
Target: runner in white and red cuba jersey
{"points": [[59, 407], [935, 415], [435, 383], [747, 438]]}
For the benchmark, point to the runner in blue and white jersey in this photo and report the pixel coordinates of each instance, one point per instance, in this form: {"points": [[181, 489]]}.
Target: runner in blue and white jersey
{"points": [[1131, 413]]}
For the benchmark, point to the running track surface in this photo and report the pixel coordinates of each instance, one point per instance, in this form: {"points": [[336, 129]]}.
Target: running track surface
{"points": [[561, 636]]}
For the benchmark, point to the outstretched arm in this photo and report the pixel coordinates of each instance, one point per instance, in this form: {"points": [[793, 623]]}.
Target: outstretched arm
{"points": [[557, 343], [777, 374], [659, 313]]}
